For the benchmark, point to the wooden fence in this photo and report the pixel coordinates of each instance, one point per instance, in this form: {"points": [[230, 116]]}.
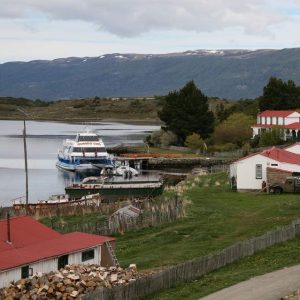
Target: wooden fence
{"points": [[154, 213], [193, 269]]}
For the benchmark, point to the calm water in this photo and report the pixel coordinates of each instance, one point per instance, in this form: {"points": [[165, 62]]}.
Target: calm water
{"points": [[43, 141]]}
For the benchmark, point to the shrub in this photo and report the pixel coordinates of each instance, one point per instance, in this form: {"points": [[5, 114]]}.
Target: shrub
{"points": [[194, 141], [161, 138], [270, 138]]}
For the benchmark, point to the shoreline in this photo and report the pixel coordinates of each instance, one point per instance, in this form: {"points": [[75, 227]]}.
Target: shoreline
{"points": [[93, 121]]}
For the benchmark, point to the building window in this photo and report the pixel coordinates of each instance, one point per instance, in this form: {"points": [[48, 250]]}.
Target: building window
{"points": [[62, 261], [258, 171], [26, 272], [87, 255], [274, 165]]}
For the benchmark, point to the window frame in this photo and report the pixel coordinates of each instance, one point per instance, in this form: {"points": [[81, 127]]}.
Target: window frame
{"points": [[258, 174], [87, 255]]}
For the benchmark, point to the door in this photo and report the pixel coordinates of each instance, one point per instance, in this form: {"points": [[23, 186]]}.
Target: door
{"points": [[63, 261], [25, 272]]}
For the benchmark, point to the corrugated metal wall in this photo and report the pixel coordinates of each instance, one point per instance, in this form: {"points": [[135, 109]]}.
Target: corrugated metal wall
{"points": [[46, 266], [8, 276]]}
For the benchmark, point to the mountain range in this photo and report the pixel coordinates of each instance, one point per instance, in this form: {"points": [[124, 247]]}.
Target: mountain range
{"points": [[231, 74]]}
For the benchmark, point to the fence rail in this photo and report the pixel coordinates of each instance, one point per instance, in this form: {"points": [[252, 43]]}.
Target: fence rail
{"points": [[193, 269], [154, 213]]}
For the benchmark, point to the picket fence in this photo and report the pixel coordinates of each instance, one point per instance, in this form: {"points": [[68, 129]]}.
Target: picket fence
{"points": [[154, 213], [193, 269]]}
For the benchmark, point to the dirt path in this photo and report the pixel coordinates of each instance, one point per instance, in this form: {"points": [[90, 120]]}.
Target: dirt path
{"points": [[270, 286]]}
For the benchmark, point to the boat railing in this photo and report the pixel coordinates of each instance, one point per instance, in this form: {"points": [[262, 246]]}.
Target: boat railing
{"points": [[19, 200]]}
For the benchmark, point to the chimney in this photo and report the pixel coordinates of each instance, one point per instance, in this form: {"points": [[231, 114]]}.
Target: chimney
{"points": [[8, 229]]}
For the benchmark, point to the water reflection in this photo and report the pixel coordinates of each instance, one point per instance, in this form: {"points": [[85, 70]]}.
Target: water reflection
{"points": [[44, 140]]}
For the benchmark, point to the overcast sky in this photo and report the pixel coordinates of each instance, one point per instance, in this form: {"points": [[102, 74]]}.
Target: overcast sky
{"points": [[40, 29]]}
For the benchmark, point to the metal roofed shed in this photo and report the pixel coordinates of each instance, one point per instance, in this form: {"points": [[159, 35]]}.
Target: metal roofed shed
{"points": [[129, 211], [28, 247]]}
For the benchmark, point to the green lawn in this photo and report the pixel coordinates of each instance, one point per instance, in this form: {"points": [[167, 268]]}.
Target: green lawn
{"points": [[73, 219], [216, 218], [273, 258]]}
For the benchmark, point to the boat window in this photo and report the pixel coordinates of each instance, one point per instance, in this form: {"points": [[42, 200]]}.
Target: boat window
{"points": [[88, 138], [89, 149]]}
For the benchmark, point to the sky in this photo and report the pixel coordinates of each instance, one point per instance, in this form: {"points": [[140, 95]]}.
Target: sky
{"points": [[40, 29]]}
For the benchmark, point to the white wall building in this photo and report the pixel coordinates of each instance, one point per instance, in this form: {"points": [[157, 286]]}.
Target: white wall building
{"points": [[287, 120], [294, 148], [249, 172], [28, 247]]}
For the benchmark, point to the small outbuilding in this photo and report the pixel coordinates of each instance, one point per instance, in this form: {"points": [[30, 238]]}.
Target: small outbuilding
{"points": [[250, 172], [28, 247]]}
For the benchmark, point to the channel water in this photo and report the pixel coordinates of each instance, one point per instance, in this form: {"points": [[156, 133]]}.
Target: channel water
{"points": [[43, 141]]}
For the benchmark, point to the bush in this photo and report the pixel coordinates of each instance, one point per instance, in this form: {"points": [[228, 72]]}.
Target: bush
{"points": [[168, 138], [270, 138], [161, 138], [223, 147], [155, 138], [235, 129], [79, 105], [255, 141], [194, 141]]}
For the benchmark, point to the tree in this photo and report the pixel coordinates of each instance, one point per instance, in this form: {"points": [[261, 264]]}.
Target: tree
{"points": [[270, 138], [246, 106], [168, 138], [194, 141], [186, 111], [161, 138], [278, 94], [235, 129]]}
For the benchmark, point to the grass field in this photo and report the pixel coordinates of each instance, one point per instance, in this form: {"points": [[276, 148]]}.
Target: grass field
{"points": [[216, 218], [133, 110], [73, 220], [90, 109], [273, 258]]}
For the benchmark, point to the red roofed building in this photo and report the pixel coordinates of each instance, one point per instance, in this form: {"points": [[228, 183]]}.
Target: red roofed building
{"points": [[249, 173], [27, 247], [287, 120]]}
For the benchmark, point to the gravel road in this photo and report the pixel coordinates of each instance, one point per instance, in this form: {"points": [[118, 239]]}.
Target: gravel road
{"points": [[270, 286]]}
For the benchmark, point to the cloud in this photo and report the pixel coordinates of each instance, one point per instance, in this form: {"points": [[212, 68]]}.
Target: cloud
{"points": [[135, 17]]}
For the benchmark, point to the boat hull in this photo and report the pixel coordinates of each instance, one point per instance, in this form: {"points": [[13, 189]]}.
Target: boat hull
{"points": [[114, 194], [82, 164]]}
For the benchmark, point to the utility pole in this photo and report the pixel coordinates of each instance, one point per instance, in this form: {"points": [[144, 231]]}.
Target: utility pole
{"points": [[25, 152]]}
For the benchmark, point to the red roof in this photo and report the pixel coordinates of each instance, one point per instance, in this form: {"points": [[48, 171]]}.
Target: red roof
{"points": [[295, 125], [282, 155], [277, 154], [24, 231], [292, 145], [276, 113], [267, 126], [38, 242]]}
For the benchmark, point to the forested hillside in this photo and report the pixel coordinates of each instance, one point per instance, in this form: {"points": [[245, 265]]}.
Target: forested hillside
{"points": [[231, 74]]}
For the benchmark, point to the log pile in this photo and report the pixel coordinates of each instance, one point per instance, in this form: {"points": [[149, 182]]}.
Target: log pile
{"points": [[69, 283]]}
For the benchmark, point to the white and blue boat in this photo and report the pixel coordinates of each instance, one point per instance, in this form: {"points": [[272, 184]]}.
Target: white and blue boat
{"points": [[86, 152]]}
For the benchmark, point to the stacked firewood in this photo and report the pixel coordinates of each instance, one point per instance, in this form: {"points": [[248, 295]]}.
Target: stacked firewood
{"points": [[69, 283]]}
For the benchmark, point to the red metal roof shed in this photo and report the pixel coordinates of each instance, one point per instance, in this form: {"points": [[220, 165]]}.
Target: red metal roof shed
{"points": [[32, 241]]}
